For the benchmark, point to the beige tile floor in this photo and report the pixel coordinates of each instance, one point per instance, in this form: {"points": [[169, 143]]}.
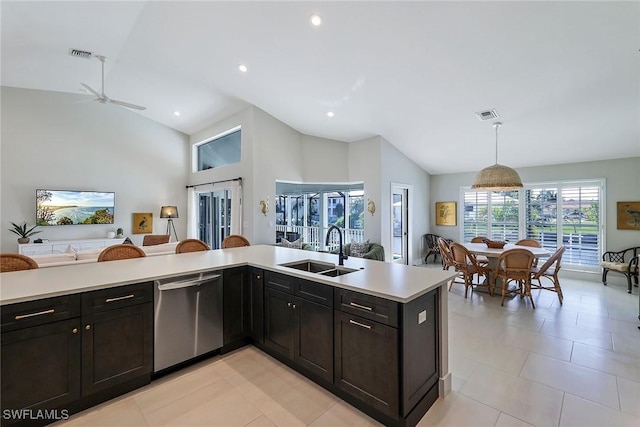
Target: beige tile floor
{"points": [[575, 365]]}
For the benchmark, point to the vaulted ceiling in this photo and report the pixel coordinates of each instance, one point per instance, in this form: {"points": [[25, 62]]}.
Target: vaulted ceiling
{"points": [[564, 77]]}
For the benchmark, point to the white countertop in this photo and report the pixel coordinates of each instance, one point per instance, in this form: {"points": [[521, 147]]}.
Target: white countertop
{"points": [[396, 282]]}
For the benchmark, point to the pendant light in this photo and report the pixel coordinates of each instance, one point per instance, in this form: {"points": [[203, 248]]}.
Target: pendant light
{"points": [[497, 177]]}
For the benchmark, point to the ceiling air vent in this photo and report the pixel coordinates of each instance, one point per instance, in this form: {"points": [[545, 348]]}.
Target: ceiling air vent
{"points": [[487, 115], [80, 53]]}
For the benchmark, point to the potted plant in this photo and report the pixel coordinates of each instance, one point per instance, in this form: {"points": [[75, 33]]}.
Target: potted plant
{"points": [[119, 232], [23, 232]]}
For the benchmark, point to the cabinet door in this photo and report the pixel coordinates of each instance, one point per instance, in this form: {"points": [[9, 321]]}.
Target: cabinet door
{"points": [[235, 323], [117, 346], [314, 337], [279, 322], [366, 361], [257, 305], [41, 366]]}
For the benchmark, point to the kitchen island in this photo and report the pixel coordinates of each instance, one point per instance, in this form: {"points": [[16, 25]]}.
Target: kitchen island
{"points": [[397, 304]]}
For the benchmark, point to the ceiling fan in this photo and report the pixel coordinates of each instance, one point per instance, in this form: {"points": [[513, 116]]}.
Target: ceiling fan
{"points": [[104, 99]]}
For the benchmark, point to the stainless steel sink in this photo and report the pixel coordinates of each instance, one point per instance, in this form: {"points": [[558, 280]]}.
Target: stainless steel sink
{"points": [[337, 272], [310, 266], [317, 267]]}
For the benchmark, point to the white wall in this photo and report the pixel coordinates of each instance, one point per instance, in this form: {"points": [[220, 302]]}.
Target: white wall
{"points": [[365, 165], [51, 141], [398, 169], [278, 155], [324, 160], [243, 170]]}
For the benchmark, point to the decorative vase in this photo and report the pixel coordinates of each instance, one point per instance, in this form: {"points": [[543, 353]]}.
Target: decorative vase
{"points": [[23, 240]]}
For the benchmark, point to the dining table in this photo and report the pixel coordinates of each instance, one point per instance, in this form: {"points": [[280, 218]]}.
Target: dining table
{"points": [[492, 255]]}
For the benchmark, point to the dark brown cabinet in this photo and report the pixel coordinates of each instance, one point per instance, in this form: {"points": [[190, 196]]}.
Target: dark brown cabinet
{"points": [[116, 347], [41, 366], [58, 351], [256, 305], [297, 326], [367, 361], [386, 353], [236, 313]]}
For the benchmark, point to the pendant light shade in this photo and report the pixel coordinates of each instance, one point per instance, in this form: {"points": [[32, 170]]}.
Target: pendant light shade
{"points": [[497, 177]]}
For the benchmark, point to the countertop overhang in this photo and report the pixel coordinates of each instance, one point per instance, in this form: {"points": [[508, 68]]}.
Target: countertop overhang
{"points": [[395, 282]]}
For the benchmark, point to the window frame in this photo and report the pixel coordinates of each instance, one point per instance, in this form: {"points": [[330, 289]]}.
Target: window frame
{"points": [[558, 185], [195, 158]]}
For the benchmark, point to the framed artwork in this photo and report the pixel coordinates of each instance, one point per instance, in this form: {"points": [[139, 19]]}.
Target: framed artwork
{"points": [[628, 215], [142, 223], [446, 213]]}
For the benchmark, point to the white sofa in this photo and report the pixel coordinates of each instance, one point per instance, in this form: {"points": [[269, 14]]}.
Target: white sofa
{"points": [[70, 257]]}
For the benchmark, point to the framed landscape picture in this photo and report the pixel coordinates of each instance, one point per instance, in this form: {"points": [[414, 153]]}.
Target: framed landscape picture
{"points": [[446, 213], [142, 223], [628, 215]]}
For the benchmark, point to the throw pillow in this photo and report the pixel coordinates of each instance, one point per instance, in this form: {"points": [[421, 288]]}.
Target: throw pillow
{"points": [[127, 241], [358, 250], [295, 244]]}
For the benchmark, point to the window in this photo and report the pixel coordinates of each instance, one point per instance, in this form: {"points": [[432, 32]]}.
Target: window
{"points": [[567, 213], [493, 214], [219, 151], [308, 210], [555, 214]]}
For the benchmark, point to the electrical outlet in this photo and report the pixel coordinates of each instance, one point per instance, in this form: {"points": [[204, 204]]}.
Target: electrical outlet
{"points": [[422, 316]]}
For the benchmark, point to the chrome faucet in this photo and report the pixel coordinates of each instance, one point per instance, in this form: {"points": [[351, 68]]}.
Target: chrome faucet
{"points": [[341, 255]]}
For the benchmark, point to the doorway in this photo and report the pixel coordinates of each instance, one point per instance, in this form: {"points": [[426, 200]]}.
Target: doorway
{"points": [[214, 217], [400, 224]]}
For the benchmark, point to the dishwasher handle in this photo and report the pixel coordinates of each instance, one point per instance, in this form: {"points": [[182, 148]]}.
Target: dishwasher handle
{"points": [[187, 283]]}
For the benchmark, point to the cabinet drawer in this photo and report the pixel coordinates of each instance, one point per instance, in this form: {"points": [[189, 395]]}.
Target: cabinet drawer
{"points": [[316, 292], [279, 281], [112, 298], [39, 312], [367, 306]]}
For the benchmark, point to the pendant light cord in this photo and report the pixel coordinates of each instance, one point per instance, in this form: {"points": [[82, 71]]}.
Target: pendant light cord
{"points": [[497, 125]]}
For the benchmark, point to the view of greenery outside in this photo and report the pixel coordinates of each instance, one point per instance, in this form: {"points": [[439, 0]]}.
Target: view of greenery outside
{"points": [[556, 215], [290, 209]]}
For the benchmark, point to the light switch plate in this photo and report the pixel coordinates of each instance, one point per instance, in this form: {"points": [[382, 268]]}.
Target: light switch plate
{"points": [[422, 316]]}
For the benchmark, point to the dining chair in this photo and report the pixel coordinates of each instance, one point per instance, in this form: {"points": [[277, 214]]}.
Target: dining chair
{"points": [[432, 247], [482, 260], [550, 271], [155, 239], [445, 253], [467, 265], [529, 242], [191, 245], [122, 251], [515, 265], [234, 241], [16, 262]]}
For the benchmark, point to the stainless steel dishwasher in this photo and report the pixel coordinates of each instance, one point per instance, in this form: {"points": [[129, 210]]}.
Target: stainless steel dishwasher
{"points": [[187, 317]]}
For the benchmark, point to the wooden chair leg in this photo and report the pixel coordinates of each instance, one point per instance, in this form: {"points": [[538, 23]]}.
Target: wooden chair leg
{"points": [[527, 287]]}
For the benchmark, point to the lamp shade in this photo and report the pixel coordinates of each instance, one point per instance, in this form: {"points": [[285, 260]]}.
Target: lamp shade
{"points": [[169, 212], [497, 177]]}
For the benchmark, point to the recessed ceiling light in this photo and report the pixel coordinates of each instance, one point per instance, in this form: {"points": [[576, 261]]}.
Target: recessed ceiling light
{"points": [[176, 113], [315, 20], [330, 114], [243, 68]]}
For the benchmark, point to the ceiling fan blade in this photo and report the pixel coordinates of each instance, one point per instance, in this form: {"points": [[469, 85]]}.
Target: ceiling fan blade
{"points": [[126, 104], [91, 90]]}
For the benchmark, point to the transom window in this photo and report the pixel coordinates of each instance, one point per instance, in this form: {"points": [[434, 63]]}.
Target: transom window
{"points": [[219, 151]]}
